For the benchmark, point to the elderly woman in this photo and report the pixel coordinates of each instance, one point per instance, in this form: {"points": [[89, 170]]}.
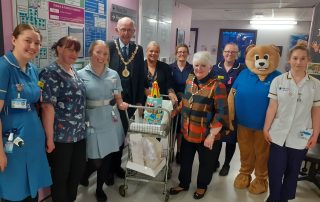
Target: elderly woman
{"points": [[105, 133], [227, 71], [204, 114], [156, 70], [63, 116], [180, 72]]}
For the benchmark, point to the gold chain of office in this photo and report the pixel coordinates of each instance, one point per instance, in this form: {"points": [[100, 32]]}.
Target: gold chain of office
{"points": [[126, 72], [190, 100]]}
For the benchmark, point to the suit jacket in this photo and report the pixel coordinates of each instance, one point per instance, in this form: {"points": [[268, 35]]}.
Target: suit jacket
{"points": [[136, 68]]}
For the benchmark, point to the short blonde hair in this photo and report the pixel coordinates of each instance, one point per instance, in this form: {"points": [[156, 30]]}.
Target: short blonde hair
{"points": [[202, 57], [153, 43]]}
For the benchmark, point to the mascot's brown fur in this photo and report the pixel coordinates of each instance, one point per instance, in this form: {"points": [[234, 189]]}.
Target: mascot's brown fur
{"points": [[261, 60]]}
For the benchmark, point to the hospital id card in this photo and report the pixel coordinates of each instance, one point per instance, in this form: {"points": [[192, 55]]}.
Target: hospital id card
{"points": [[19, 103]]}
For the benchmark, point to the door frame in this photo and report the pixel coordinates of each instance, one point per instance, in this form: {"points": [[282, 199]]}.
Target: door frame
{"points": [[196, 38]]}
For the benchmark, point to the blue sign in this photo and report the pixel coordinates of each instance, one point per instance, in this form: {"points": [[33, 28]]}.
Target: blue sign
{"points": [[95, 28], [96, 6]]}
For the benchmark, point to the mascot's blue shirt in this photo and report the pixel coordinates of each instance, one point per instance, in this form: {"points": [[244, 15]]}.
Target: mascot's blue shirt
{"points": [[251, 98]]}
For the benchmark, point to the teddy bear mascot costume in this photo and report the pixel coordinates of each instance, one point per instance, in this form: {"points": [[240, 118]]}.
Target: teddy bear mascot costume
{"points": [[248, 103]]}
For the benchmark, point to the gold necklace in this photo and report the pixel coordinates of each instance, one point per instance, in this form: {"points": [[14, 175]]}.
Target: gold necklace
{"points": [[190, 100], [126, 72]]}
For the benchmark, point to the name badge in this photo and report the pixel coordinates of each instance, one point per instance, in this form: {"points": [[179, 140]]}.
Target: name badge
{"points": [[19, 103], [306, 134], [220, 77]]}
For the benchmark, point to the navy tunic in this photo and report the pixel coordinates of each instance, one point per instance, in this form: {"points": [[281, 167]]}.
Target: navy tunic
{"points": [[228, 78]]}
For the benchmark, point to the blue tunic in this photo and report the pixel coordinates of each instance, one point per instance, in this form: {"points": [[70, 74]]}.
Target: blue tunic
{"points": [[104, 135], [251, 99], [180, 77], [27, 168], [228, 78]]}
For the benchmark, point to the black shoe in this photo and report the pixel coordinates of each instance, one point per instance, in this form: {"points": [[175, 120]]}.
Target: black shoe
{"points": [[121, 173], [176, 190], [101, 196], [217, 166], [269, 200], [197, 196], [178, 161], [224, 170], [84, 182], [110, 179]]}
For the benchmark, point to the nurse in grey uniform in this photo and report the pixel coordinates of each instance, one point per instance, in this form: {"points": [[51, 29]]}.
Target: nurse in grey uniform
{"points": [[104, 128]]}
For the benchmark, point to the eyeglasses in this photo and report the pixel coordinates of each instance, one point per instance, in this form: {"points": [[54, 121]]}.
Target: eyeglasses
{"points": [[182, 52], [123, 30], [231, 52]]}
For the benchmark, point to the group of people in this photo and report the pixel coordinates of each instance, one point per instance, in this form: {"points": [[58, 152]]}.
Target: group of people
{"points": [[81, 122]]}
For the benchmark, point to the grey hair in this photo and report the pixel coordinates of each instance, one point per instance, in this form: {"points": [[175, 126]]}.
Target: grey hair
{"points": [[232, 44], [126, 19], [202, 57]]}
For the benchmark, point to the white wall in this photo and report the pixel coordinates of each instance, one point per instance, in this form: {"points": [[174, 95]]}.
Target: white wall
{"points": [[208, 36], [181, 18]]}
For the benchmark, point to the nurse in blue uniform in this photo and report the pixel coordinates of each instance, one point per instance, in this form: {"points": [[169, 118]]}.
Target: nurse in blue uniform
{"points": [[105, 133], [180, 72], [23, 162], [227, 71]]}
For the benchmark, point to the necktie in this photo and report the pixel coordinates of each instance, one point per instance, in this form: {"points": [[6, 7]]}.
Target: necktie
{"points": [[124, 52]]}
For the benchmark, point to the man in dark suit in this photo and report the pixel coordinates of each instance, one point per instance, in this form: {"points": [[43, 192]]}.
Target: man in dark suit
{"points": [[126, 58]]}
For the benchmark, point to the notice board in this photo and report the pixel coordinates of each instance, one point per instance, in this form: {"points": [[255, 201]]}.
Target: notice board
{"points": [[84, 19]]}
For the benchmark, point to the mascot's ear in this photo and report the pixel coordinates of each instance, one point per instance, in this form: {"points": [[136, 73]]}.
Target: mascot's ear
{"points": [[249, 48], [276, 48]]}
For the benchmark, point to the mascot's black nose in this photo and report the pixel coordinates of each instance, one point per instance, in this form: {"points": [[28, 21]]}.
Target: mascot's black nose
{"points": [[261, 63]]}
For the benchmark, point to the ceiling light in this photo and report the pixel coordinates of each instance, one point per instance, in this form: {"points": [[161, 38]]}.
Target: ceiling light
{"points": [[273, 21]]}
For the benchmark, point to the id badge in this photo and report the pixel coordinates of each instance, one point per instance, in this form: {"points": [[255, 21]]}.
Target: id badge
{"points": [[114, 116], [8, 147], [306, 134], [19, 103]]}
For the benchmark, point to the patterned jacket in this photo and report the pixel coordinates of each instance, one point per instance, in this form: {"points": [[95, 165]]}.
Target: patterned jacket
{"points": [[204, 106]]}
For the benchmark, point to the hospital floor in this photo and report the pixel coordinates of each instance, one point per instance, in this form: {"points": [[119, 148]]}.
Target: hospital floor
{"points": [[220, 190]]}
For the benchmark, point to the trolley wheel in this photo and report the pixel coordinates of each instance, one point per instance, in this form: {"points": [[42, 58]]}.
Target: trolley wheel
{"points": [[304, 170], [122, 191], [166, 197]]}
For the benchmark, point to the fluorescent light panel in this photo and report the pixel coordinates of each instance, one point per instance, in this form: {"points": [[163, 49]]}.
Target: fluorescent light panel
{"points": [[273, 21]]}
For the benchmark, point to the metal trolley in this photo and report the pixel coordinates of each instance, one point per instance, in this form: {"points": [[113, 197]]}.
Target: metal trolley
{"points": [[162, 131]]}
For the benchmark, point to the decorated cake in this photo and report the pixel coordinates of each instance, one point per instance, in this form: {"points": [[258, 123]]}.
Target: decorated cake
{"points": [[153, 116]]}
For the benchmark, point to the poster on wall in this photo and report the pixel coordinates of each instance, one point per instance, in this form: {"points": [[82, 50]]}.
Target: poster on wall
{"points": [[298, 38], [85, 20], [315, 36], [242, 37]]}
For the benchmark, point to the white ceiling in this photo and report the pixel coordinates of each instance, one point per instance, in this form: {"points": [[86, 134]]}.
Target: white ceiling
{"points": [[301, 10]]}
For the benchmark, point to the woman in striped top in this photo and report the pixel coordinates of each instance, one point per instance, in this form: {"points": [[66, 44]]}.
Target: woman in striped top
{"points": [[204, 114]]}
